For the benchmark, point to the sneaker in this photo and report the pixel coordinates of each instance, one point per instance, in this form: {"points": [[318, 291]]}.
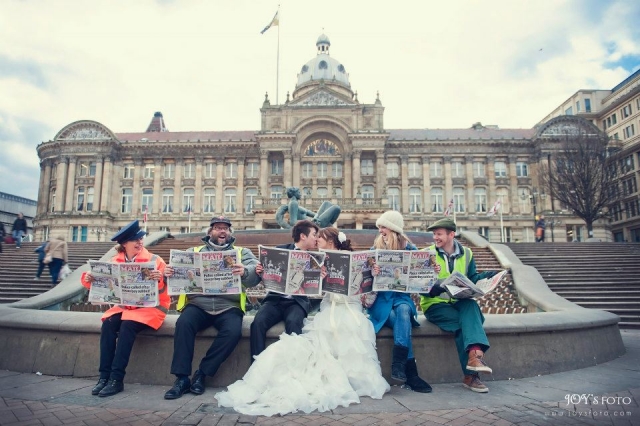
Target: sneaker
{"points": [[472, 382], [476, 362], [36, 278]]}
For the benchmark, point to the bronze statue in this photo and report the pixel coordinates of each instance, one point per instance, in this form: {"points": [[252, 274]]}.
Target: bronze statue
{"points": [[326, 215]]}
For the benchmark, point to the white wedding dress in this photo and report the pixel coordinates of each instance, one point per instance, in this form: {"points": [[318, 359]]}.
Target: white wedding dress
{"points": [[332, 363]]}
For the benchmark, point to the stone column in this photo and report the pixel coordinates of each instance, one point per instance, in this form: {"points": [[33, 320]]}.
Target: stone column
{"points": [[136, 201], [381, 175], [355, 169], [197, 199], [97, 184], [448, 182], [61, 184], [490, 170], [219, 186], [426, 178], [287, 177], [468, 172], [346, 176], [44, 188], [296, 170], [264, 173], [157, 191], [105, 191], [71, 184], [314, 178], [513, 180], [404, 191], [240, 187]]}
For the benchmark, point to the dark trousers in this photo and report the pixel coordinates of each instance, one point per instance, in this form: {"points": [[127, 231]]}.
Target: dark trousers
{"points": [[41, 266], [464, 319], [54, 269], [271, 313], [191, 321], [116, 343]]}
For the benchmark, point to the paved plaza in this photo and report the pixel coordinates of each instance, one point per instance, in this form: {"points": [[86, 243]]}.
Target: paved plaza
{"points": [[606, 394]]}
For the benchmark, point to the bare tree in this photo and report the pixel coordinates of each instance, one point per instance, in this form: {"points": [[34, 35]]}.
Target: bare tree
{"points": [[582, 176]]}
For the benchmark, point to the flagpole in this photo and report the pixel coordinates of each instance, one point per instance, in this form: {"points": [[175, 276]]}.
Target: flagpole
{"points": [[189, 214], [501, 225], [278, 60]]}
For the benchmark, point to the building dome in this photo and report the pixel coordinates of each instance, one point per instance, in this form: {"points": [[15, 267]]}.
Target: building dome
{"points": [[323, 66]]}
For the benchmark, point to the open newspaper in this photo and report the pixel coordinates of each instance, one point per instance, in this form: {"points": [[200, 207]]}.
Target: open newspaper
{"points": [[208, 272], [294, 272], [348, 273], [407, 271], [127, 284], [459, 286]]}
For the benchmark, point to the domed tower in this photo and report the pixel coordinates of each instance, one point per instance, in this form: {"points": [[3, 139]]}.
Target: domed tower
{"points": [[323, 69]]}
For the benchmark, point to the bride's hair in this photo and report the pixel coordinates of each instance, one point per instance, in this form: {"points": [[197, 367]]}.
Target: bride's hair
{"points": [[333, 235]]}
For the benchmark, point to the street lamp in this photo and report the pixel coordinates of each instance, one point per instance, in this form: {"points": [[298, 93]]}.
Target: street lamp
{"points": [[534, 200], [553, 222], [99, 231]]}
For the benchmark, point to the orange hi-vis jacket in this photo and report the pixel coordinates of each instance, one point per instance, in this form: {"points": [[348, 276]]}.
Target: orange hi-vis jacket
{"points": [[153, 317]]}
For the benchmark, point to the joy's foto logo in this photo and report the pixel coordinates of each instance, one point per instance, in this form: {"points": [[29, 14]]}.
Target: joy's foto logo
{"points": [[589, 398]]}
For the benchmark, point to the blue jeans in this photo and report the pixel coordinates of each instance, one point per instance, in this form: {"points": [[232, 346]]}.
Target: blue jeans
{"points": [[400, 321], [17, 236]]}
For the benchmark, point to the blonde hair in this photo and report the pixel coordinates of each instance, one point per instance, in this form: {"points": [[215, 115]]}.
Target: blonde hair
{"points": [[395, 241]]}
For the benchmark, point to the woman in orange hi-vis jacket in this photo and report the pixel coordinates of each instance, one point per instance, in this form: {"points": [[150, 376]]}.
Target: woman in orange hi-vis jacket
{"points": [[121, 324]]}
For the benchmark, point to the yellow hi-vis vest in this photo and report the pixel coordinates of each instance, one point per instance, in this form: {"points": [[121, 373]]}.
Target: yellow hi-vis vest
{"points": [[182, 299], [461, 265]]}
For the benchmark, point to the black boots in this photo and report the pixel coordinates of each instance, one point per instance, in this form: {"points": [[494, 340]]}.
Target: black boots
{"points": [[180, 387], [197, 383], [414, 382], [113, 387], [99, 386], [399, 362]]}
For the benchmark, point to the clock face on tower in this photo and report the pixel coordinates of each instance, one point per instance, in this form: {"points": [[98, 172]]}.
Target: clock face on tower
{"points": [[322, 147]]}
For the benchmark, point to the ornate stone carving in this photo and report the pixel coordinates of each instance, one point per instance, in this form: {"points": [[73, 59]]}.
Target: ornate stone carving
{"points": [[209, 182], [321, 98], [188, 182], [88, 132]]}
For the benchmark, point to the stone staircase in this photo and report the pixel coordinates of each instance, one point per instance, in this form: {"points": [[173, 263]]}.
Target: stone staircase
{"points": [[593, 275], [18, 268]]}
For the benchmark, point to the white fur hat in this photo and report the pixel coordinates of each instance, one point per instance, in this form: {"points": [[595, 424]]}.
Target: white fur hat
{"points": [[392, 220]]}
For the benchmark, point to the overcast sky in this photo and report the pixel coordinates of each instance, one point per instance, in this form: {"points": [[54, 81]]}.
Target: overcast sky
{"points": [[206, 66]]}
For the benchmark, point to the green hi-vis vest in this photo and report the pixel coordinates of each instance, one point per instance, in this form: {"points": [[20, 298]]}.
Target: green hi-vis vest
{"points": [[182, 299], [461, 265]]}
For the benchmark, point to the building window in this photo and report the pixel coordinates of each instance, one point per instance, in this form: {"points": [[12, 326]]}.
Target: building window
{"points": [[415, 169], [209, 205], [188, 195], [436, 200], [276, 192], [367, 191], [484, 232], [577, 106], [629, 131], [500, 169], [231, 171], [277, 167], [568, 111], [457, 169], [127, 198], [87, 169], [167, 200], [79, 233], [435, 170], [250, 195], [587, 105], [458, 200], [337, 193], [322, 170], [478, 169], [149, 171], [230, 200], [127, 171], [336, 170], [522, 169], [525, 200], [393, 195], [415, 200], [480, 198], [366, 167], [189, 171], [502, 194], [210, 170], [169, 171], [626, 111], [90, 198], [252, 170], [322, 192], [393, 170], [307, 170], [80, 199], [147, 199], [52, 201]]}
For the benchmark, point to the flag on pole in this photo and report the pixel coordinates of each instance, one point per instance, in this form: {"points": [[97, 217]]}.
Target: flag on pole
{"points": [[146, 214], [449, 209], [493, 210], [274, 22]]}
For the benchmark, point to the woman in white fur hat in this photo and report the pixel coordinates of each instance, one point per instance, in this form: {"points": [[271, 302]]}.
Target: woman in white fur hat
{"points": [[396, 310]]}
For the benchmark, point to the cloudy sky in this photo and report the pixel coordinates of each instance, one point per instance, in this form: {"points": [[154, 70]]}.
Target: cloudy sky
{"points": [[206, 66]]}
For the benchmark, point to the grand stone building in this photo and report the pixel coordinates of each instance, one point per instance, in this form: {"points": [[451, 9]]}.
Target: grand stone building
{"points": [[323, 140]]}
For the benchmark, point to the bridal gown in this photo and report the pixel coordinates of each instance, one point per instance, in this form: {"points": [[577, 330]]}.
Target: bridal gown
{"points": [[332, 363]]}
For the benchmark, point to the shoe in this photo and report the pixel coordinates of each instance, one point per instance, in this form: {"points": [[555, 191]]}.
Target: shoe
{"points": [[112, 388], [476, 362], [197, 382], [399, 362], [414, 382], [472, 382], [180, 387], [36, 279], [99, 386]]}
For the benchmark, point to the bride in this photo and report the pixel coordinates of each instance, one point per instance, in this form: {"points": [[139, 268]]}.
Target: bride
{"points": [[332, 363]]}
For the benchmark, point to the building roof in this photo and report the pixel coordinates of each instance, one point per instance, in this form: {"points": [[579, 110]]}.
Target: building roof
{"points": [[323, 66], [238, 135], [466, 134]]}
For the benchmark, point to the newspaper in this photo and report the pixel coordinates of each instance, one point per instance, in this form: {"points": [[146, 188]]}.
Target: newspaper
{"points": [[459, 286], [203, 273], [127, 284], [293, 272], [422, 276], [348, 273], [407, 271]]}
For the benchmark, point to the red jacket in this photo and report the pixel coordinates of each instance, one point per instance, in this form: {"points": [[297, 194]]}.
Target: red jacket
{"points": [[153, 317]]}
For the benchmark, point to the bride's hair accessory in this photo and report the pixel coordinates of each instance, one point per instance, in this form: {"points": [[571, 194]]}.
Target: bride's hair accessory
{"points": [[341, 237]]}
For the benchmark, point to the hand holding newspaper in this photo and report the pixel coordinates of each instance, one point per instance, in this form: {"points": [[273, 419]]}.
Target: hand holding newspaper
{"points": [[459, 286]]}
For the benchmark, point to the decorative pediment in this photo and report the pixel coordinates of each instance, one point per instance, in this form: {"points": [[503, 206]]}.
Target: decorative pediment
{"points": [[321, 98], [567, 126], [85, 130]]}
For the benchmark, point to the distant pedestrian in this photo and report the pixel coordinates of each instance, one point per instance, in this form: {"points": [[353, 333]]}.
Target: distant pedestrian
{"points": [[41, 264], [19, 229], [57, 248], [2, 235], [540, 227]]}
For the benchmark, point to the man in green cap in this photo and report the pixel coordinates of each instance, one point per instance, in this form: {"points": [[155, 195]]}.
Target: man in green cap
{"points": [[462, 317]]}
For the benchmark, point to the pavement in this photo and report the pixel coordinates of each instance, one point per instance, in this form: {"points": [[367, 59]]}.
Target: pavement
{"points": [[606, 394]]}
